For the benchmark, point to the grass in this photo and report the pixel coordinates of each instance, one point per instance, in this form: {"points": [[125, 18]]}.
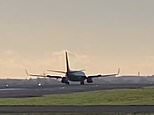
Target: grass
{"points": [[108, 97]]}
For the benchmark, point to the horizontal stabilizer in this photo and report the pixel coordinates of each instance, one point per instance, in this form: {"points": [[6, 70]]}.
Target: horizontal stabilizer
{"points": [[57, 71]]}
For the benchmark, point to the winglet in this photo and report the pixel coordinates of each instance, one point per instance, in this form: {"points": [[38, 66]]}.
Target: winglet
{"points": [[118, 71], [26, 71]]}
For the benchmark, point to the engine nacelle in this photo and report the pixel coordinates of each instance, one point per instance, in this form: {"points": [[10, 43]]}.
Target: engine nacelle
{"points": [[89, 80], [64, 80]]}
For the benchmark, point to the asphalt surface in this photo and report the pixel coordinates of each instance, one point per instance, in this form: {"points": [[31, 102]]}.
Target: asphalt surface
{"points": [[34, 91], [18, 92], [77, 109]]}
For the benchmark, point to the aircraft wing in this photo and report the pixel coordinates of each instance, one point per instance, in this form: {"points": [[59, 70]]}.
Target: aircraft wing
{"points": [[107, 75], [49, 76], [43, 75], [36, 75], [95, 76]]}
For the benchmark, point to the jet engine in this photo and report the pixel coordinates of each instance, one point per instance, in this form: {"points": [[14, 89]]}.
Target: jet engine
{"points": [[64, 80], [89, 80]]}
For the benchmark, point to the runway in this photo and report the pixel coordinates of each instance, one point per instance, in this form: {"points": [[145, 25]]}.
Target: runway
{"points": [[18, 88], [90, 110], [31, 91]]}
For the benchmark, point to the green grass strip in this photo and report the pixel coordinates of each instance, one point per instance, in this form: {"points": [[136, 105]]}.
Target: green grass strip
{"points": [[108, 97]]}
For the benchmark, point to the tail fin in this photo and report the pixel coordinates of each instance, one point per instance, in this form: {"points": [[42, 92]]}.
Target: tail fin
{"points": [[67, 63]]}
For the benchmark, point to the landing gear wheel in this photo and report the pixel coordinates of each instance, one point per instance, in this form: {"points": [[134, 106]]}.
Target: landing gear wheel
{"points": [[82, 83], [68, 83]]}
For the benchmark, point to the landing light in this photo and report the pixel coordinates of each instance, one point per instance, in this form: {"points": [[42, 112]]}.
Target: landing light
{"points": [[39, 84], [7, 85]]}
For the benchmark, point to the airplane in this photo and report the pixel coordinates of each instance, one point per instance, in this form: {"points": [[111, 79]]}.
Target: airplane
{"points": [[70, 75]]}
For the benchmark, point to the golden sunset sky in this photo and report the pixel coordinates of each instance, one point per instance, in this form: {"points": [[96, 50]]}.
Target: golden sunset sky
{"points": [[100, 36]]}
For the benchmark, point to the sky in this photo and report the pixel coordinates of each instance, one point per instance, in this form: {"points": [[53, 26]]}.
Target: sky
{"points": [[100, 36]]}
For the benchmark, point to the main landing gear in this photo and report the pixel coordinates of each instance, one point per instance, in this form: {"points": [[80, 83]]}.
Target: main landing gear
{"points": [[82, 83], [68, 83]]}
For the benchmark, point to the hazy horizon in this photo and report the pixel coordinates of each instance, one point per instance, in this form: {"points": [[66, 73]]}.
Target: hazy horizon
{"points": [[100, 35]]}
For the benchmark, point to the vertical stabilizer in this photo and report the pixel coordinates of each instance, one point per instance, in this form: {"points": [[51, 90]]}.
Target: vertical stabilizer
{"points": [[67, 63]]}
